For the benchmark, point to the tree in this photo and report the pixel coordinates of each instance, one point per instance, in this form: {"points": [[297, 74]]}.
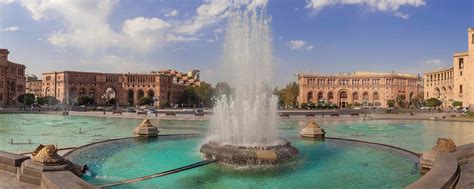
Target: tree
{"points": [[205, 92], [189, 96], [457, 104], [417, 101], [49, 100], [401, 100], [165, 104], [433, 102], [112, 101], [289, 95], [391, 103], [223, 88], [41, 100], [84, 100], [144, 101], [27, 99]]}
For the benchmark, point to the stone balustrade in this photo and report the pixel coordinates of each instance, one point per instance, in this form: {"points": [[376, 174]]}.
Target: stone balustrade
{"points": [[64, 180], [444, 174], [10, 162]]}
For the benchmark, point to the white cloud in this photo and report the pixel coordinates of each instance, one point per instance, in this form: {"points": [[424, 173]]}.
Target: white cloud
{"points": [[10, 29], [174, 38], [6, 1], [214, 11], [375, 5], [434, 62], [86, 23], [402, 15], [300, 44], [207, 14], [172, 13]]}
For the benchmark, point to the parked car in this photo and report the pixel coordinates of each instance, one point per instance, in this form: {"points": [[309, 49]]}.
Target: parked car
{"points": [[357, 108], [100, 108], [199, 112], [131, 110], [152, 111], [425, 108], [464, 110]]}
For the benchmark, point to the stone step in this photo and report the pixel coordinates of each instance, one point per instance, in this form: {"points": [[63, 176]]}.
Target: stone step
{"points": [[8, 169], [29, 179]]}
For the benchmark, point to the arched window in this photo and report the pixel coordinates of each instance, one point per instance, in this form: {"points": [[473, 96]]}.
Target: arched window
{"points": [[461, 63]]}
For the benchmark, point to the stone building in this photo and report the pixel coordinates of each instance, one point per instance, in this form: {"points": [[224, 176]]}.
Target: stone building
{"points": [[191, 78], [33, 85], [364, 88], [125, 88], [454, 83], [12, 80]]}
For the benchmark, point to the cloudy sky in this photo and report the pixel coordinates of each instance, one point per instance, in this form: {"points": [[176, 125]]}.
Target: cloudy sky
{"points": [[326, 36]]}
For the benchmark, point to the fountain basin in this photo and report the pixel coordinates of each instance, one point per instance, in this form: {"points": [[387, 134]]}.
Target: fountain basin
{"points": [[249, 156]]}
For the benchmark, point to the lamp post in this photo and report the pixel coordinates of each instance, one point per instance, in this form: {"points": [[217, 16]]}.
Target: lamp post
{"points": [[155, 100], [322, 102]]}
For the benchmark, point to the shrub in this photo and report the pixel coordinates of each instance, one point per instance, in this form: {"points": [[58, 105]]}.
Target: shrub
{"points": [[144, 101]]}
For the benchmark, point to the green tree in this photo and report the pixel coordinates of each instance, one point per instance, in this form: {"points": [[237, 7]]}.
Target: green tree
{"points": [[41, 100], [457, 104], [223, 88], [49, 100], [401, 100], [205, 92], [288, 96], [190, 96], [417, 101], [112, 101], [144, 101], [165, 104], [84, 100], [433, 102], [357, 104], [27, 99], [391, 103]]}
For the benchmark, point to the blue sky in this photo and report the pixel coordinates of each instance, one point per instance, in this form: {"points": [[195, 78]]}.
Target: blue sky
{"points": [[322, 36]]}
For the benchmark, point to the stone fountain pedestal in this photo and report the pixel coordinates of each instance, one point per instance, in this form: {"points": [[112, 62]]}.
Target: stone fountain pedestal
{"points": [[45, 159], [428, 159], [146, 129], [313, 131], [248, 155]]}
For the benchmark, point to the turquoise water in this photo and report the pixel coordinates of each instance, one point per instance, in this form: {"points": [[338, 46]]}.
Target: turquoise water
{"points": [[417, 136], [73, 131], [329, 164], [321, 164]]}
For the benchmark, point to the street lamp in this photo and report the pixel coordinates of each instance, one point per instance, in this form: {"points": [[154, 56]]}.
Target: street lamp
{"points": [[322, 102], [155, 100]]}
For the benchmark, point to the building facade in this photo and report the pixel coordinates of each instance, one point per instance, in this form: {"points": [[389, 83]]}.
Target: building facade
{"points": [[33, 85], [125, 88], [191, 78], [12, 80], [454, 83], [358, 88]]}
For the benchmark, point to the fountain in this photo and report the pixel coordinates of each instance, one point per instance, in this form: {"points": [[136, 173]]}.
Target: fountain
{"points": [[243, 127]]}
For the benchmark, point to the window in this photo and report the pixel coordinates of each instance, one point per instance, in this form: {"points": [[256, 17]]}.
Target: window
{"points": [[48, 78], [472, 38], [427, 94], [461, 63], [460, 73], [460, 89]]}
